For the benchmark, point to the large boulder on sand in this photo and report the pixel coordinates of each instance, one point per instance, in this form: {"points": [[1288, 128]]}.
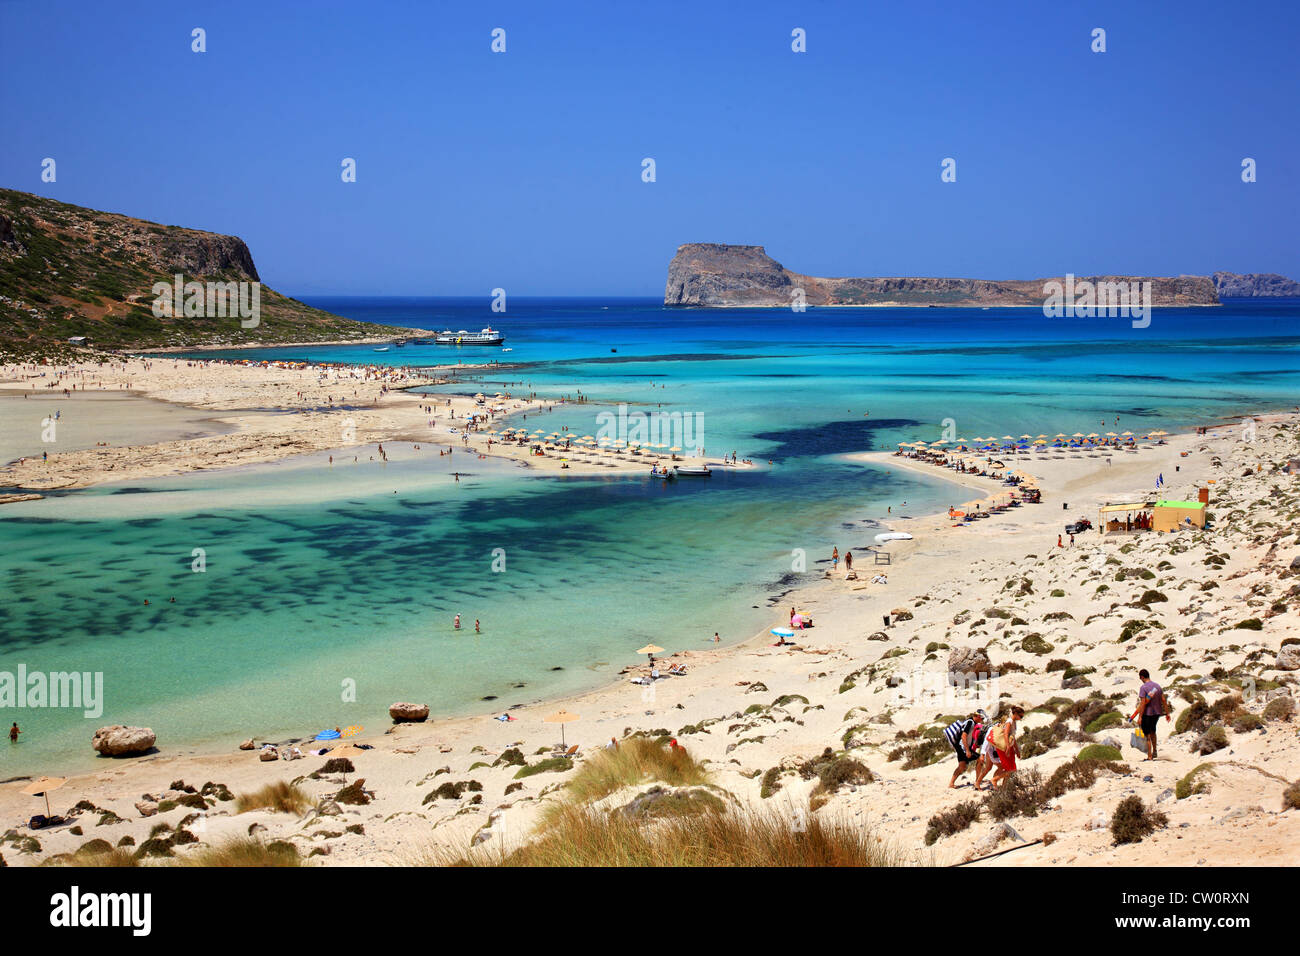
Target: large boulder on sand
{"points": [[119, 741], [1288, 658], [968, 663], [403, 713]]}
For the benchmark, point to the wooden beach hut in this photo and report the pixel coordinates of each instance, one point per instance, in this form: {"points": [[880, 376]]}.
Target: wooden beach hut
{"points": [[1173, 515], [1134, 516]]}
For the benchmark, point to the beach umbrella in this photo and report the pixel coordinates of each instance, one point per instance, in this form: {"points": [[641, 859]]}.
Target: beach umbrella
{"points": [[1077, 435], [675, 448], [41, 787], [651, 649], [1127, 435], [352, 730], [328, 735], [1159, 432], [1026, 436], [1111, 435], [561, 717], [782, 632]]}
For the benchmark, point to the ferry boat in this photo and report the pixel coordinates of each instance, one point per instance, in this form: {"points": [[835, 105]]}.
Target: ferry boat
{"points": [[486, 337]]}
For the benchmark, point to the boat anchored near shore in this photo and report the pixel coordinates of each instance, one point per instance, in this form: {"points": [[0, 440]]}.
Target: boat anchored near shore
{"points": [[488, 336]]}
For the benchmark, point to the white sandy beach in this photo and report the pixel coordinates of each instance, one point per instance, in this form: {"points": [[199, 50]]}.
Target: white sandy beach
{"points": [[755, 712], [260, 413]]}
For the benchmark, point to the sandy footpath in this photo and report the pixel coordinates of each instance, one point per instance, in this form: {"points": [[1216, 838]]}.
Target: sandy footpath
{"points": [[755, 712]]}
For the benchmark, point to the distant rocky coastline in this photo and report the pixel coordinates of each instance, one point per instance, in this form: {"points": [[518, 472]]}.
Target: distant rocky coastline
{"points": [[719, 275], [1232, 285]]}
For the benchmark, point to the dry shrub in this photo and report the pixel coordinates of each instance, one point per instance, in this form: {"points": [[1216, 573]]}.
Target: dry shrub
{"points": [[1291, 797], [1279, 708], [952, 820], [637, 760], [245, 851], [1133, 820], [278, 797], [579, 836]]}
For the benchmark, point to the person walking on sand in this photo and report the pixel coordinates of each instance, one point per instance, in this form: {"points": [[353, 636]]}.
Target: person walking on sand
{"points": [[1001, 742], [835, 558], [961, 735], [1058, 542], [848, 561], [1151, 704]]}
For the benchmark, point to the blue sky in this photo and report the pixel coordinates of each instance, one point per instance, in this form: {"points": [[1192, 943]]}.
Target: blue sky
{"points": [[523, 169]]}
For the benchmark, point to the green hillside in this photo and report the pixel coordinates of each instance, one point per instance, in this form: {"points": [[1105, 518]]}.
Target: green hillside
{"points": [[70, 271]]}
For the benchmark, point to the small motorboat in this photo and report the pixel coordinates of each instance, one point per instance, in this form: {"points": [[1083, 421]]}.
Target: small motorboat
{"points": [[383, 349], [692, 471], [664, 473]]}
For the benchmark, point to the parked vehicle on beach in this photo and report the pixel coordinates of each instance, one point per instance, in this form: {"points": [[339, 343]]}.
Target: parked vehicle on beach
{"points": [[1078, 527]]}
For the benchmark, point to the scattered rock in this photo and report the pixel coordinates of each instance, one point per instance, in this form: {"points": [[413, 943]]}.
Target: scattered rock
{"points": [[968, 662], [248, 745], [1098, 821], [1288, 658], [146, 809], [997, 834]]}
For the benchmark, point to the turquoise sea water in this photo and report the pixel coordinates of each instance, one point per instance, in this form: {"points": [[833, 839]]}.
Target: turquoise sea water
{"points": [[319, 579]]}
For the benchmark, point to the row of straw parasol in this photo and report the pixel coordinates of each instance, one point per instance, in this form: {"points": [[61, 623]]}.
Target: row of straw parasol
{"points": [[583, 443], [1039, 440]]}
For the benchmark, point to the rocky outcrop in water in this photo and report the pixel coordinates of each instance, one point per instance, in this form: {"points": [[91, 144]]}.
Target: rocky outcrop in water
{"points": [[119, 741], [718, 275]]}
